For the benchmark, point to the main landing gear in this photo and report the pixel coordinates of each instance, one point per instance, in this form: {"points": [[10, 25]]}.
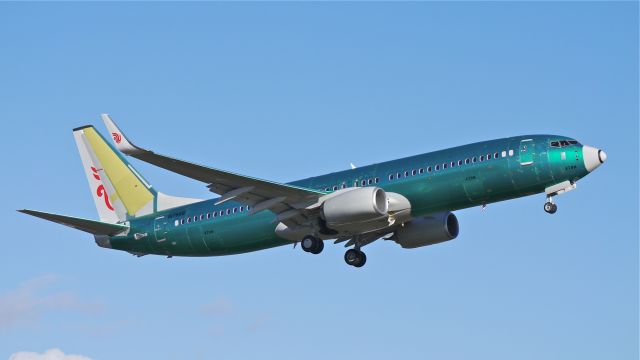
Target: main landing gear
{"points": [[312, 244], [549, 206], [355, 257]]}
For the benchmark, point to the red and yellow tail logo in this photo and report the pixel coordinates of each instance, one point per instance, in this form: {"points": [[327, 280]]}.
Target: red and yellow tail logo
{"points": [[101, 191], [116, 137]]}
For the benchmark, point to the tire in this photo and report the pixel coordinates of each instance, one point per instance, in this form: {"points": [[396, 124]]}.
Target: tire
{"points": [[318, 247], [363, 260], [308, 243], [550, 208]]}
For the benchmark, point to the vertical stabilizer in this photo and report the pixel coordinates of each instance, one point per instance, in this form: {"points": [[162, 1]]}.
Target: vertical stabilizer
{"points": [[118, 190]]}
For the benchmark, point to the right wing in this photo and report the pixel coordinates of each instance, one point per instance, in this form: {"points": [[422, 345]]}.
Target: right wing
{"points": [[289, 202]]}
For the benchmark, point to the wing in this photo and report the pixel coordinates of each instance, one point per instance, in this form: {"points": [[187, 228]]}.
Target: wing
{"points": [[289, 202]]}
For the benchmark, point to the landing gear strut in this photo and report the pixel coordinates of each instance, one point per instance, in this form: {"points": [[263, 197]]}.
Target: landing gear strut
{"points": [[355, 258], [312, 244], [549, 206]]}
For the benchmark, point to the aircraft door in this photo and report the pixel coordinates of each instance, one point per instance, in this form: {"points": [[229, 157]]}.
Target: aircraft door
{"points": [[526, 152], [160, 229]]}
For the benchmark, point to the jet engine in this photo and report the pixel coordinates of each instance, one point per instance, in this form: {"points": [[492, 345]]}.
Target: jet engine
{"points": [[428, 230], [357, 206]]}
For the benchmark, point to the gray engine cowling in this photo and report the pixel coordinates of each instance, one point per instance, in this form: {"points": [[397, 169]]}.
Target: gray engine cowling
{"points": [[428, 230], [356, 206]]}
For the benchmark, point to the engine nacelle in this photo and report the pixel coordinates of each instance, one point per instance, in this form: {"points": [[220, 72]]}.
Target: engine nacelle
{"points": [[355, 206], [428, 230]]}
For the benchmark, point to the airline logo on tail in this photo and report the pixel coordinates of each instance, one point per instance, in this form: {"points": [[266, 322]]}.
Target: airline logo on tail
{"points": [[100, 191], [116, 137]]}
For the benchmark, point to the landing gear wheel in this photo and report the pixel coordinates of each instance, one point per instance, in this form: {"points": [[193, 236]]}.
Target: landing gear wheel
{"points": [[550, 207], [312, 244], [355, 258]]}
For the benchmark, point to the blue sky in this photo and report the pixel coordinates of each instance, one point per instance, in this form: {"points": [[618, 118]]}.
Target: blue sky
{"points": [[284, 91]]}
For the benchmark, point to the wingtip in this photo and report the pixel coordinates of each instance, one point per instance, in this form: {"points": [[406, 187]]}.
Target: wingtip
{"points": [[119, 138]]}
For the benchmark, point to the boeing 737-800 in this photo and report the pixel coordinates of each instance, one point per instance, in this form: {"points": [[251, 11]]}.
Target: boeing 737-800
{"points": [[409, 201]]}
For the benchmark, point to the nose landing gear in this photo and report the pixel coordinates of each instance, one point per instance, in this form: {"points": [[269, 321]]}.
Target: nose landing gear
{"points": [[549, 206]]}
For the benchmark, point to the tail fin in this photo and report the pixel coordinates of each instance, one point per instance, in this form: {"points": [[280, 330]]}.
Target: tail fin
{"points": [[118, 190]]}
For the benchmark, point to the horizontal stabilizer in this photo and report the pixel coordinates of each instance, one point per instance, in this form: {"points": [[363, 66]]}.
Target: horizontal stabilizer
{"points": [[90, 226]]}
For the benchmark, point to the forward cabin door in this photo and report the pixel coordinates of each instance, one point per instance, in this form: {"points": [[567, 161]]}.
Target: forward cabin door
{"points": [[526, 152]]}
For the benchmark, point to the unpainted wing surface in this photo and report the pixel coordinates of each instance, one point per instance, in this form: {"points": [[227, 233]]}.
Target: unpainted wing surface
{"points": [[285, 200]]}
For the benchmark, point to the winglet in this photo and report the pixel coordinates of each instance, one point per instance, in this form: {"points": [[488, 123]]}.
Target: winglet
{"points": [[121, 141]]}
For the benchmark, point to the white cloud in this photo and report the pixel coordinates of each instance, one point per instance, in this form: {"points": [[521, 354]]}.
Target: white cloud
{"points": [[221, 306], [31, 299], [52, 354]]}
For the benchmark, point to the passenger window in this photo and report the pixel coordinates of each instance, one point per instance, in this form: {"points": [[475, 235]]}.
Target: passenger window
{"points": [[488, 156], [504, 153], [208, 216], [495, 156], [459, 162], [335, 187], [406, 174], [201, 216], [344, 185], [214, 214], [473, 159], [421, 171], [390, 177], [398, 175], [370, 181], [511, 152], [363, 182], [453, 164], [428, 168], [376, 180], [481, 158], [437, 167], [413, 172], [444, 166], [228, 211], [234, 210], [466, 161], [188, 220]]}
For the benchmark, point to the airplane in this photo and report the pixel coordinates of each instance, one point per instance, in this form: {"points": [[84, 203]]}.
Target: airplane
{"points": [[409, 201]]}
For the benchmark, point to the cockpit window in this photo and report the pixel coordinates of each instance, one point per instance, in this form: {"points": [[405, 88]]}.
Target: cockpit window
{"points": [[562, 143]]}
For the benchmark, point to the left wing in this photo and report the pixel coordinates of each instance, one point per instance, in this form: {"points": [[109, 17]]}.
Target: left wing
{"points": [[289, 202]]}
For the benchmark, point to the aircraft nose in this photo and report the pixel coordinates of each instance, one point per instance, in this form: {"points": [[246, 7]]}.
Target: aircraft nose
{"points": [[593, 157]]}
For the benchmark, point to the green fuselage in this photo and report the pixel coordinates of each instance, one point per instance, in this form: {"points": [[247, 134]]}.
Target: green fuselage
{"points": [[533, 165]]}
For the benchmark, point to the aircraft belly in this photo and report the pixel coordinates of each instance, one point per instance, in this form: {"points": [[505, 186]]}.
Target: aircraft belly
{"points": [[196, 240], [241, 235]]}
